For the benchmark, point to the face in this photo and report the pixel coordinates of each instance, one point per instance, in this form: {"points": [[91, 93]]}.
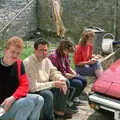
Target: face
{"points": [[66, 52], [12, 54], [41, 52], [90, 40]]}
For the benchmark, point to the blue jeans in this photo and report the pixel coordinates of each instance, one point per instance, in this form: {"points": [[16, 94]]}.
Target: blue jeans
{"points": [[88, 70], [39, 102], [47, 111], [78, 83], [25, 108]]}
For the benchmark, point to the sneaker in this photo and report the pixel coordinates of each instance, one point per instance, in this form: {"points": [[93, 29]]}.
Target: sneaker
{"points": [[73, 107], [83, 96], [71, 110], [78, 101]]}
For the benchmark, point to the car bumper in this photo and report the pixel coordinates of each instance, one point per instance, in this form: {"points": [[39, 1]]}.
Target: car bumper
{"points": [[104, 102]]}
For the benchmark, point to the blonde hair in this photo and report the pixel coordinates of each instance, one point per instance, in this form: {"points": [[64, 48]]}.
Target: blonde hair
{"points": [[85, 37], [15, 41]]}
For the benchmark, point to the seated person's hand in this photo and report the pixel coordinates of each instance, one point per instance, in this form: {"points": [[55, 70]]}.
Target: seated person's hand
{"points": [[8, 102], [62, 85], [97, 56], [93, 60], [69, 75]]}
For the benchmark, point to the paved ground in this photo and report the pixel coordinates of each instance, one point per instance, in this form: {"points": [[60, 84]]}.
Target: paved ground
{"points": [[86, 113]]}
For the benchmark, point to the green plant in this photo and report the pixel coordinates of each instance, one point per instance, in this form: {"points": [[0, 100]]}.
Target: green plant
{"points": [[26, 52]]}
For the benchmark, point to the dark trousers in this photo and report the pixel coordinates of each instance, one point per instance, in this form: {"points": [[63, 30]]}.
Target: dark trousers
{"points": [[54, 99], [60, 100]]}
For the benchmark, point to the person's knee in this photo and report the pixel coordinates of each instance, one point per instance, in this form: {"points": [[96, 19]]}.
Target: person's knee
{"points": [[49, 95], [37, 99], [40, 100], [25, 102], [29, 103], [83, 80]]}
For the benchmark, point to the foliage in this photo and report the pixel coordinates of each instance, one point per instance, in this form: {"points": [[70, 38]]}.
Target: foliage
{"points": [[28, 50]]}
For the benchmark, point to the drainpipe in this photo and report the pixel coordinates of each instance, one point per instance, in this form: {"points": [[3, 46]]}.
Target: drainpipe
{"points": [[116, 20]]}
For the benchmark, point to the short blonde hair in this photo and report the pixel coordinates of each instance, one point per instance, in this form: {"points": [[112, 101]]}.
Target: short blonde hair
{"points": [[15, 41]]}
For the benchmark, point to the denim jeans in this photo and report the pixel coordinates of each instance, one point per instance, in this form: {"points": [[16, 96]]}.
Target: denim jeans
{"points": [[25, 108], [47, 111], [78, 83], [39, 102], [88, 70]]}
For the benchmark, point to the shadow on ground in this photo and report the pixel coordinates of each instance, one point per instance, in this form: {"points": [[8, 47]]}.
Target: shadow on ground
{"points": [[101, 115]]}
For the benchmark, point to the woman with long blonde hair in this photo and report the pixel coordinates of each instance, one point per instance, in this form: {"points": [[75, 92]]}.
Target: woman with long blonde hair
{"points": [[85, 62]]}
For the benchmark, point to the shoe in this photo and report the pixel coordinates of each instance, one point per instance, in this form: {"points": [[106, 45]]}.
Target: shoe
{"points": [[83, 96], [68, 109], [77, 101], [73, 107], [66, 115]]}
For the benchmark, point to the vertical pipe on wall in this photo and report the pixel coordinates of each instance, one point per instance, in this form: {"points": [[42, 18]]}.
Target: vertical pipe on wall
{"points": [[116, 20]]}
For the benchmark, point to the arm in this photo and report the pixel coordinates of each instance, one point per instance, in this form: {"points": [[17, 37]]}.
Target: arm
{"points": [[36, 76], [54, 73], [22, 89], [77, 56], [83, 56]]}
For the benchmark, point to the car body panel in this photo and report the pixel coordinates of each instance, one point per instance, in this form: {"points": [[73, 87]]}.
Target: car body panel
{"points": [[109, 82]]}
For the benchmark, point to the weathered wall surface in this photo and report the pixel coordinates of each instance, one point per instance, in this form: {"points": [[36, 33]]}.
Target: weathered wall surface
{"points": [[78, 14], [24, 24]]}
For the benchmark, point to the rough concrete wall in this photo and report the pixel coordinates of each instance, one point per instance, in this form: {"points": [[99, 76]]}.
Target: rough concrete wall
{"points": [[45, 18], [78, 14], [24, 24]]}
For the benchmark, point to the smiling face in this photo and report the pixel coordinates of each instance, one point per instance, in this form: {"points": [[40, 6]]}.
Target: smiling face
{"points": [[12, 54], [13, 49]]}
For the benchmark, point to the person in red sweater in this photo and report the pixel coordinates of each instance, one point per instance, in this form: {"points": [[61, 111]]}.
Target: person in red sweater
{"points": [[14, 97], [85, 62]]}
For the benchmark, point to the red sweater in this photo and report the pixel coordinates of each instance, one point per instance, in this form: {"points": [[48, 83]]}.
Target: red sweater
{"points": [[82, 53]]}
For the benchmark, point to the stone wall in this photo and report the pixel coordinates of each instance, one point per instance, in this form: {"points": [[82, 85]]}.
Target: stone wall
{"points": [[24, 24], [78, 14]]}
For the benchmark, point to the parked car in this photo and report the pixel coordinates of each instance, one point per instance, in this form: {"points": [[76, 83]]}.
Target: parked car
{"points": [[105, 93]]}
